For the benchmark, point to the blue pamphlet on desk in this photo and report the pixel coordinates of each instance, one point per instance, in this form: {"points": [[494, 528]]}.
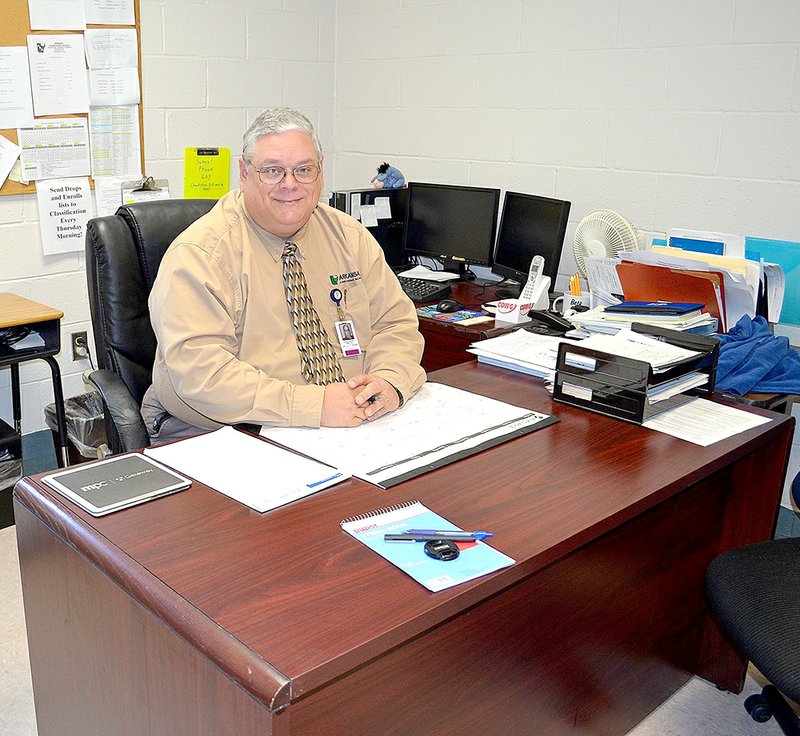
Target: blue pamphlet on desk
{"points": [[475, 558], [671, 308]]}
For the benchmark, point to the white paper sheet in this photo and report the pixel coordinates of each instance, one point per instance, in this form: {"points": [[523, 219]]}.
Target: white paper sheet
{"points": [[438, 423], [57, 15], [110, 47], [110, 12], [117, 86], [65, 206], [16, 104], [247, 469], [383, 208], [776, 286], [107, 195], [424, 273], [704, 422], [58, 74], [116, 145], [9, 153], [112, 56], [368, 215], [603, 277], [56, 148], [634, 345]]}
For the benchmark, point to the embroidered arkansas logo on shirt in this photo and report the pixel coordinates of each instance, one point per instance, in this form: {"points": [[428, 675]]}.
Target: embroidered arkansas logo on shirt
{"points": [[345, 278]]}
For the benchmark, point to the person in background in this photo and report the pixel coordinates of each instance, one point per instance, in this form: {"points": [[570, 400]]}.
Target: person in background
{"points": [[255, 304]]}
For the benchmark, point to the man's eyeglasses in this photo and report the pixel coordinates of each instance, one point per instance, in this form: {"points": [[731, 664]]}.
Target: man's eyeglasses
{"points": [[304, 174]]}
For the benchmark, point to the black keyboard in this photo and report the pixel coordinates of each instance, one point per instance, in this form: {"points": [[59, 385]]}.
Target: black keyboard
{"points": [[420, 290]]}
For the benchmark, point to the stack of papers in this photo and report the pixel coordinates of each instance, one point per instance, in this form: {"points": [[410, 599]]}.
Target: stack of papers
{"points": [[660, 355], [521, 351], [598, 320]]}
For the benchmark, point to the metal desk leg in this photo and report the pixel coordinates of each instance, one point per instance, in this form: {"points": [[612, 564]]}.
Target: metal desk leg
{"points": [[61, 418], [16, 403]]}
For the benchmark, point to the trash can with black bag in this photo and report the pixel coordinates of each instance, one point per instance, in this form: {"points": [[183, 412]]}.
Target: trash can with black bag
{"points": [[10, 470], [85, 426]]}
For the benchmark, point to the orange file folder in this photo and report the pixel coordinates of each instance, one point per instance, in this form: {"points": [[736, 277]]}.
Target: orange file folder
{"points": [[646, 282]]}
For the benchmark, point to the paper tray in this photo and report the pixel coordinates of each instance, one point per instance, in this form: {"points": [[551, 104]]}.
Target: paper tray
{"points": [[617, 386]]}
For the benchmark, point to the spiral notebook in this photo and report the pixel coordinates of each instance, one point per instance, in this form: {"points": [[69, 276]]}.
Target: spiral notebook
{"points": [[475, 559]]}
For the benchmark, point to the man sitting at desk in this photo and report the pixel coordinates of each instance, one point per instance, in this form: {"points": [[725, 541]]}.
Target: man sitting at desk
{"points": [[276, 309]]}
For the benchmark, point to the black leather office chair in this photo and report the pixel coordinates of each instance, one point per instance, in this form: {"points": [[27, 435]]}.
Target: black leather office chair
{"points": [[123, 253], [755, 593]]}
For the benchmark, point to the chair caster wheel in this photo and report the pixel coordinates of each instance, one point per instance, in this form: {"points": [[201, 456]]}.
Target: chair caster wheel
{"points": [[758, 708]]}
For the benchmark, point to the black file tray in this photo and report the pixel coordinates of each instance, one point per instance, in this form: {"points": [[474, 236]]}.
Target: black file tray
{"points": [[617, 386]]}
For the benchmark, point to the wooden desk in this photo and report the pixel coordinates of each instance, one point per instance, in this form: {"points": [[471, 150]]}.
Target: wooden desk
{"points": [[446, 342], [193, 615], [17, 311]]}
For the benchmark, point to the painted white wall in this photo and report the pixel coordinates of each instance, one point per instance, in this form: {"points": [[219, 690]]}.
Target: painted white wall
{"points": [[679, 114]]}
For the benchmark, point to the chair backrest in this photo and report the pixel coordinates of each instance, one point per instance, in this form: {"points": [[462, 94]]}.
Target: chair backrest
{"points": [[123, 253]]}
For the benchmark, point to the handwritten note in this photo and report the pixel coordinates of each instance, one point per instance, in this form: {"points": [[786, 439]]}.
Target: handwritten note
{"points": [[206, 173]]}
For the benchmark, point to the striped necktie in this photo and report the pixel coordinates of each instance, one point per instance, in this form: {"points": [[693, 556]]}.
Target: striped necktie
{"points": [[319, 362]]}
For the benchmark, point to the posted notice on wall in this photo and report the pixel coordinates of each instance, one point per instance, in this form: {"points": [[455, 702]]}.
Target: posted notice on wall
{"points": [[65, 206]]}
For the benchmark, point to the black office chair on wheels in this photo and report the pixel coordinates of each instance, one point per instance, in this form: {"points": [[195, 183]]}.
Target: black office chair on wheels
{"points": [[123, 253], [755, 593]]}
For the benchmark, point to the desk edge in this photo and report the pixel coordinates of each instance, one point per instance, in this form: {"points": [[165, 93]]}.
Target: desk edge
{"points": [[253, 674]]}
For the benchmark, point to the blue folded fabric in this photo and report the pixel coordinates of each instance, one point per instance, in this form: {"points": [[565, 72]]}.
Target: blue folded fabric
{"points": [[751, 358]]}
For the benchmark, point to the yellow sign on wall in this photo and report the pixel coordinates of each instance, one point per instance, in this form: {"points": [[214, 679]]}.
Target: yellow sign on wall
{"points": [[206, 173]]}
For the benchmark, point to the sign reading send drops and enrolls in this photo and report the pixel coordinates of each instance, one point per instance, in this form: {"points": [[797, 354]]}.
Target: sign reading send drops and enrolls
{"points": [[65, 206]]}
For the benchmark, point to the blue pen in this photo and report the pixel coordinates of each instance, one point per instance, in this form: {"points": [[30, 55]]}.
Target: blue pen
{"points": [[478, 534]]}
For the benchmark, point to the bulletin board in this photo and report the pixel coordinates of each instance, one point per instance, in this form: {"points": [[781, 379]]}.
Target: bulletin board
{"points": [[14, 30]]}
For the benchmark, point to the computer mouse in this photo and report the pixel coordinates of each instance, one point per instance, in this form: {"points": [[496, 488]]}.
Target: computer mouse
{"points": [[449, 305]]}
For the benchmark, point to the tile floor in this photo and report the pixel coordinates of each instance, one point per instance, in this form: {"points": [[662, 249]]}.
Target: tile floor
{"points": [[698, 709]]}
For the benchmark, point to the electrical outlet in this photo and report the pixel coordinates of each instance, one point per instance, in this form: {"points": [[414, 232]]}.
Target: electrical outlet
{"points": [[79, 343]]}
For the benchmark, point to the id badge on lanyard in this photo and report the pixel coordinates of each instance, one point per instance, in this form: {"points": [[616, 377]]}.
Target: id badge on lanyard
{"points": [[345, 329]]}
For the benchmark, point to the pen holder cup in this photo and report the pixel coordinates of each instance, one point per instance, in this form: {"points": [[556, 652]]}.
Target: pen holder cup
{"points": [[566, 302]]}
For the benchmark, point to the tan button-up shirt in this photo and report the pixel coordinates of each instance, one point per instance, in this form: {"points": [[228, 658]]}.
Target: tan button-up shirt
{"points": [[226, 351]]}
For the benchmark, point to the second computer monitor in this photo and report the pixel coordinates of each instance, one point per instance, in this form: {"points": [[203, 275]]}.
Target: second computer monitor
{"points": [[452, 224], [530, 226]]}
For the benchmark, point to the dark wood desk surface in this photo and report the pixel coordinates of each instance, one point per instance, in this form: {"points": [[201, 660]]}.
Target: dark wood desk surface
{"points": [[193, 614]]}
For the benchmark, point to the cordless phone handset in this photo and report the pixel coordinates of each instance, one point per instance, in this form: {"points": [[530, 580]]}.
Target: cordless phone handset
{"points": [[535, 274]]}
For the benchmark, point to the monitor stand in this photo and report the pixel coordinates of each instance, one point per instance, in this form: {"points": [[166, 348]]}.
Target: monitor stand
{"points": [[510, 292], [464, 274]]}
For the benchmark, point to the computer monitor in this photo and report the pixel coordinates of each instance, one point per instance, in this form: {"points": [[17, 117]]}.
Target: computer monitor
{"points": [[452, 224], [530, 226]]}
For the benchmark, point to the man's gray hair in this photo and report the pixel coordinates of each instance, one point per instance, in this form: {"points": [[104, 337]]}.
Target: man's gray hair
{"points": [[277, 120]]}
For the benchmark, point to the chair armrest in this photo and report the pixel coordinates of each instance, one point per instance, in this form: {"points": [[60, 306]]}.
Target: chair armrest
{"points": [[124, 424]]}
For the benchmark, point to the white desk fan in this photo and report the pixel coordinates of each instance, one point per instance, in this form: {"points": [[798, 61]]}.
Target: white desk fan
{"points": [[601, 234]]}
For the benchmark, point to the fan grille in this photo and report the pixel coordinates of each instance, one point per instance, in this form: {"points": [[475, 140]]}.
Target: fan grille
{"points": [[603, 233]]}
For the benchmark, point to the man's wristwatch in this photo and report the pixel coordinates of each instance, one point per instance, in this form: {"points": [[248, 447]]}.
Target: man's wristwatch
{"points": [[399, 395]]}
